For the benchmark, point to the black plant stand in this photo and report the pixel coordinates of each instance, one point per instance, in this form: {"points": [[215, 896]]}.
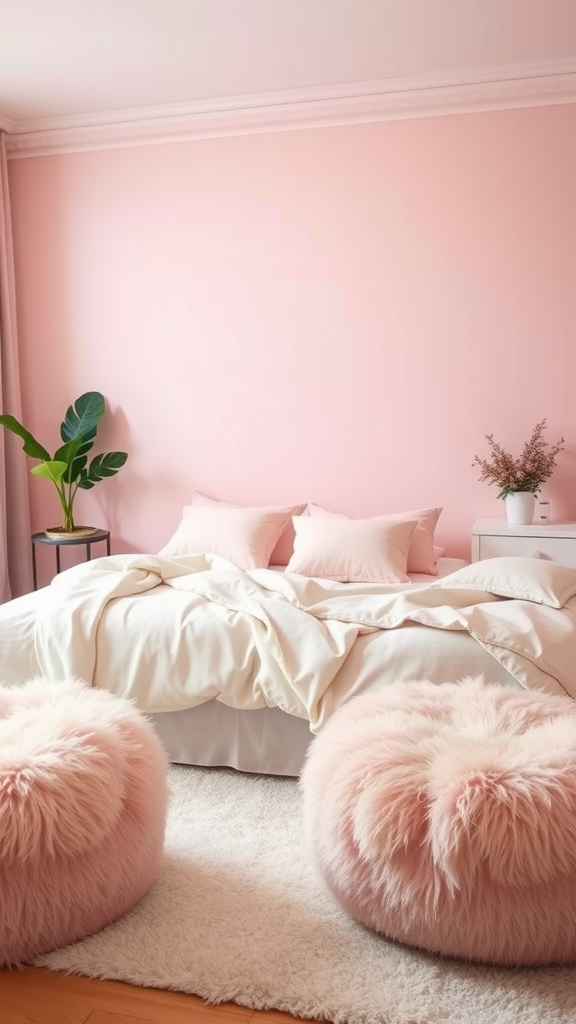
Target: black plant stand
{"points": [[64, 542]]}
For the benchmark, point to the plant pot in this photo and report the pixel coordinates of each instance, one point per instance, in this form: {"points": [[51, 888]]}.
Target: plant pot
{"points": [[59, 533], [520, 507]]}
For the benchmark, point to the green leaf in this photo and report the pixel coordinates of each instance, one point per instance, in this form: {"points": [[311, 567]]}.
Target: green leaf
{"points": [[73, 453], [31, 446], [75, 469], [82, 418], [67, 452], [50, 470], [83, 445], [100, 467]]}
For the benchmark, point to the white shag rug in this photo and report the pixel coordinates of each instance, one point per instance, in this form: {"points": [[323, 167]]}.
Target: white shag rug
{"points": [[237, 914]]}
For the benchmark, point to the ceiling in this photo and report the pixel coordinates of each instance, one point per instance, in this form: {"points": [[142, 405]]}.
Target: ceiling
{"points": [[81, 60]]}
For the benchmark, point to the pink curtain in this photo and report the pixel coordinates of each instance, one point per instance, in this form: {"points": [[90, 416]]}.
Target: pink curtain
{"points": [[15, 556]]}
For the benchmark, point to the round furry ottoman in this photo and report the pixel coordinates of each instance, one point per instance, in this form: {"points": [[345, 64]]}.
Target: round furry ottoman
{"points": [[444, 816], [83, 796]]}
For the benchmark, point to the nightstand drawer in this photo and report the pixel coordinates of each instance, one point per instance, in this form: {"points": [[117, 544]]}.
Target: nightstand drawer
{"points": [[557, 549]]}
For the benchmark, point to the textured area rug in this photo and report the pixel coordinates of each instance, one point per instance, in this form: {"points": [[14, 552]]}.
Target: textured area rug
{"points": [[237, 914]]}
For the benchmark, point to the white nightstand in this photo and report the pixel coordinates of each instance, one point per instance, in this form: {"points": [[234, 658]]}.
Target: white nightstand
{"points": [[492, 538]]}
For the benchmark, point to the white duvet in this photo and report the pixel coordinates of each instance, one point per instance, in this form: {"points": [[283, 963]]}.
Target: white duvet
{"points": [[173, 633]]}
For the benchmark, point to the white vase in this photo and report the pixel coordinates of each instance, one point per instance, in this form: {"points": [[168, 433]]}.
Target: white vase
{"points": [[520, 507]]}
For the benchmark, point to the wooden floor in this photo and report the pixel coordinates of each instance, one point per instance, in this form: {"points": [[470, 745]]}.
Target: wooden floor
{"points": [[35, 996]]}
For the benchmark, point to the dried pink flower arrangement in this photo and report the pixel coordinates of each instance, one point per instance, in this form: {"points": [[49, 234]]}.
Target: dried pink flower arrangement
{"points": [[526, 473]]}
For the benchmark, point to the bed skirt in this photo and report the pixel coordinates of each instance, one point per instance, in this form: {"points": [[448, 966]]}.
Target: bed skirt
{"points": [[265, 740]]}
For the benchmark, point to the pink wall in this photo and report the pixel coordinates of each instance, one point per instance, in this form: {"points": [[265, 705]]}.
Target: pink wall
{"points": [[337, 315]]}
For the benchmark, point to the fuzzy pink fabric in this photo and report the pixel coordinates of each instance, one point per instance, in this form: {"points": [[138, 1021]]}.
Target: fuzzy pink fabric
{"points": [[444, 816], [83, 796]]}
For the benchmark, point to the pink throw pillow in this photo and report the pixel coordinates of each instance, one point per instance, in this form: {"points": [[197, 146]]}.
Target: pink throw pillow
{"points": [[246, 536], [351, 550], [421, 553], [282, 552]]}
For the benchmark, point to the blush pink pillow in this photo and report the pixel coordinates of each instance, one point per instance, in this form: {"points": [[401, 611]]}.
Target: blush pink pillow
{"points": [[246, 536], [351, 550], [282, 552], [421, 553]]}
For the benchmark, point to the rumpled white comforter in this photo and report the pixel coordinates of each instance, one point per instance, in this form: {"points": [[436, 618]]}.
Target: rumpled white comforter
{"points": [[261, 638]]}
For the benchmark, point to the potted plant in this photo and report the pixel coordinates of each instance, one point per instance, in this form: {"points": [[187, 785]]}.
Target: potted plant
{"points": [[520, 478], [68, 468]]}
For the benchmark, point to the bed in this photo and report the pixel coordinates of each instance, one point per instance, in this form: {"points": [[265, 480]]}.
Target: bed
{"points": [[241, 667]]}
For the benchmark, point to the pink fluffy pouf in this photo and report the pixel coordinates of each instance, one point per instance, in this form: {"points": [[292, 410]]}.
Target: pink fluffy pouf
{"points": [[83, 796], [444, 816]]}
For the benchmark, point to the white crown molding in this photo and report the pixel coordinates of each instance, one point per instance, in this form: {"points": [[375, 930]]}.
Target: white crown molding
{"points": [[475, 91]]}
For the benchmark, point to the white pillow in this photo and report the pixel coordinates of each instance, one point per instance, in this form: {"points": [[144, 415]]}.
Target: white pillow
{"points": [[527, 579], [245, 536], [351, 550], [283, 550], [422, 554]]}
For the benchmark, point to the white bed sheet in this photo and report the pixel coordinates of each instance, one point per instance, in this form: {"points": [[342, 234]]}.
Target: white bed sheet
{"points": [[265, 739], [140, 669], [18, 660]]}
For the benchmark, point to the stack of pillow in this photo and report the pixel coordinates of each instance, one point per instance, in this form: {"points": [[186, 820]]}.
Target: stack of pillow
{"points": [[311, 540]]}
